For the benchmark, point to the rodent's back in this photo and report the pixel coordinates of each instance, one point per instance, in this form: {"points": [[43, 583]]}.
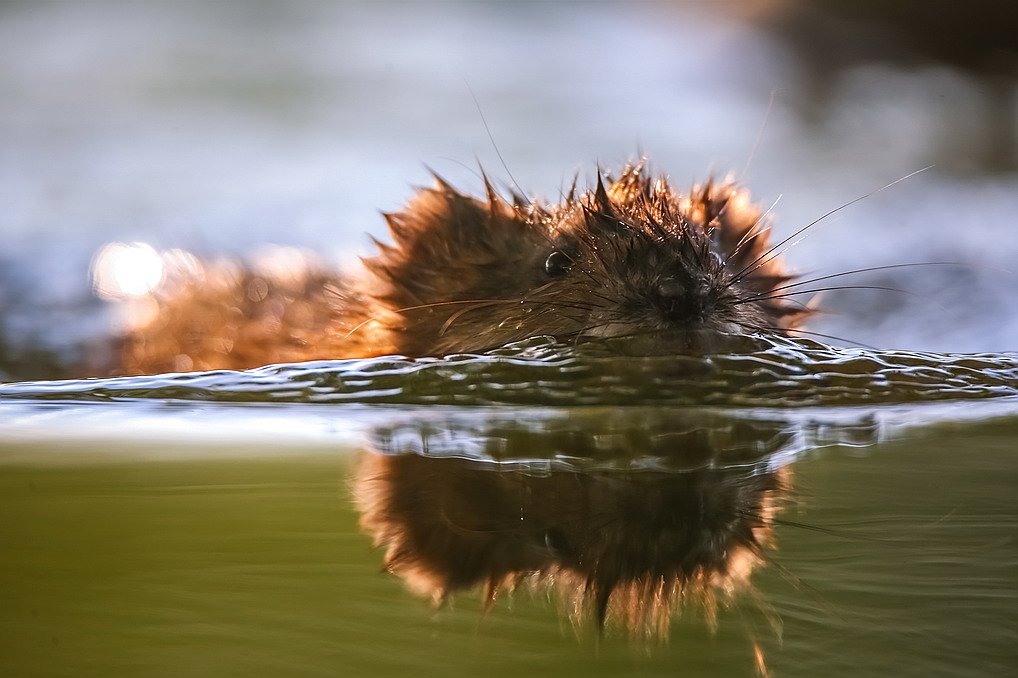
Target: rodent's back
{"points": [[233, 317]]}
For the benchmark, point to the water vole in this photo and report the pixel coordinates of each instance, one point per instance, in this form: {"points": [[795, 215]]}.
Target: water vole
{"points": [[632, 256]]}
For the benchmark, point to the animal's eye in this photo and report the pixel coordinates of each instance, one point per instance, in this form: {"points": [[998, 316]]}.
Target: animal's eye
{"points": [[558, 263]]}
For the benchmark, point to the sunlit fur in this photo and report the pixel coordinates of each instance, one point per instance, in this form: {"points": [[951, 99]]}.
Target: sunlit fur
{"points": [[464, 275], [470, 274], [224, 316]]}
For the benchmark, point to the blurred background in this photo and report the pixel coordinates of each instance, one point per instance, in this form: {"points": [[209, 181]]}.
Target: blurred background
{"points": [[223, 127]]}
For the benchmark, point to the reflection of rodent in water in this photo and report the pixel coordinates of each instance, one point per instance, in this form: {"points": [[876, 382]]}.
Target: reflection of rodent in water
{"points": [[632, 547], [468, 275]]}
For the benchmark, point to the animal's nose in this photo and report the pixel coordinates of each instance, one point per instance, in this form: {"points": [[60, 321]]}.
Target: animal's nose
{"points": [[671, 293], [682, 300]]}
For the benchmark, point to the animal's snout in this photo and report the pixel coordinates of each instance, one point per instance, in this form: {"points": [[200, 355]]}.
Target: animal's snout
{"points": [[682, 300]]}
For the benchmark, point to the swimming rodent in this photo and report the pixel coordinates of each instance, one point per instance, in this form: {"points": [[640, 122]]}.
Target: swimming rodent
{"points": [[631, 256]]}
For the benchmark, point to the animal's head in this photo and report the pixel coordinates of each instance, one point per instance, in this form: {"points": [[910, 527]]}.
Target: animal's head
{"points": [[631, 257]]}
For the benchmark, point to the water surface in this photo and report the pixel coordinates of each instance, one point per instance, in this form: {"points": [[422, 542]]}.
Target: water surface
{"points": [[223, 523]]}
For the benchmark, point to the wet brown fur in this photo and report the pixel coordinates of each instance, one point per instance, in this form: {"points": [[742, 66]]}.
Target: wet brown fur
{"points": [[467, 275]]}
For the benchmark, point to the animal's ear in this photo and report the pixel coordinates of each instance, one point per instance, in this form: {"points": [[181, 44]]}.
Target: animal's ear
{"points": [[736, 223], [739, 226], [742, 232], [443, 236]]}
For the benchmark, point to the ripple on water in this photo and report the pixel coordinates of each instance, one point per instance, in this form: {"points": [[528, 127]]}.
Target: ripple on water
{"points": [[752, 372]]}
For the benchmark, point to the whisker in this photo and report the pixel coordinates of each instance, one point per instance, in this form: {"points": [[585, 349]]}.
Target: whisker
{"points": [[866, 270], [491, 137], [800, 584], [582, 332], [548, 306], [458, 314], [750, 235], [449, 303], [768, 297], [432, 305], [815, 334], [836, 338], [600, 296], [759, 135], [828, 531], [360, 325], [556, 305], [763, 258], [449, 158]]}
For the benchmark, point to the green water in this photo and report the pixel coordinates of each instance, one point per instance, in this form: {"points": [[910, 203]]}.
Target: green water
{"points": [[223, 563], [854, 513]]}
